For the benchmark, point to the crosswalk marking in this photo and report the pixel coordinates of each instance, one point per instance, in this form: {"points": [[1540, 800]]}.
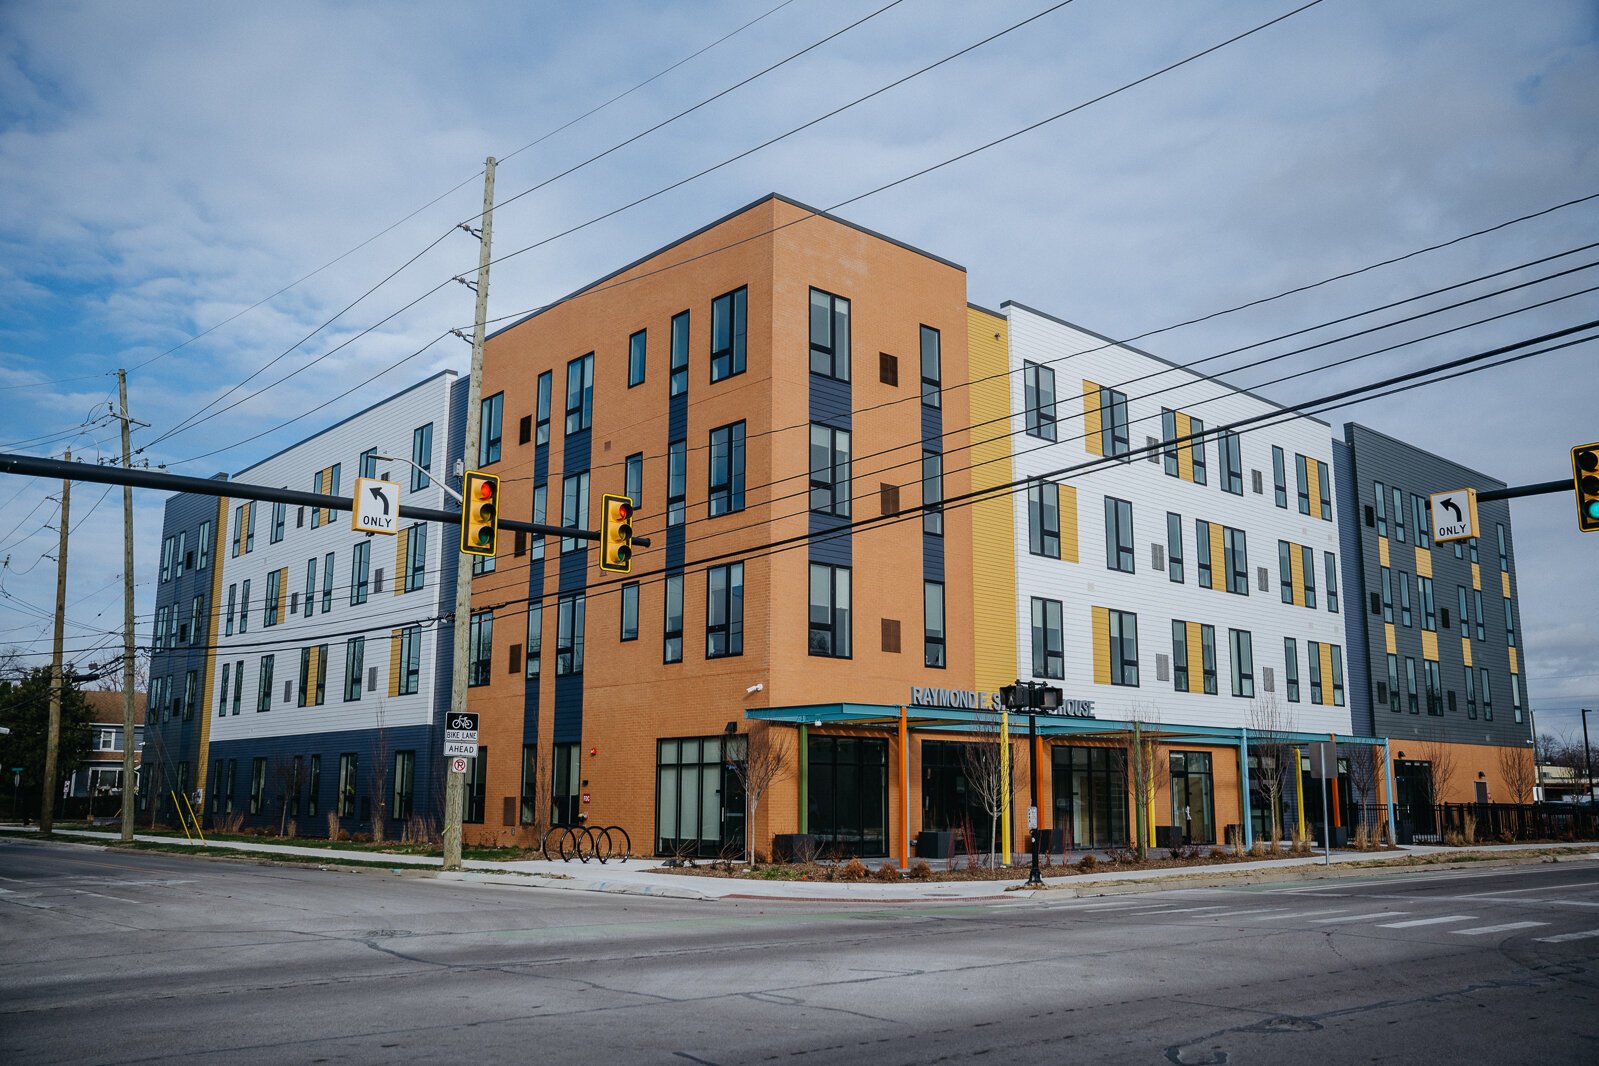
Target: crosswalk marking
{"points": [[1561, 938], [1428, 921], [1484, 930], [1234, 914], [1295, 914], [1195, 910], [1360, 917]]}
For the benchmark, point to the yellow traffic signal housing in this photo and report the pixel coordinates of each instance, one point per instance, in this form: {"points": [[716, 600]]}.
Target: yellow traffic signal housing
{"points": [[480, 513], [1585, 479], [616, 535]]}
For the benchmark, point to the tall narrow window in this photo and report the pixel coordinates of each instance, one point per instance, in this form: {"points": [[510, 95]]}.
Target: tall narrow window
{"points": [[233, 589], [933, 493], [1380, 494], [348, 779], [1404, 598], [933, 624], [1038, 386], [421, 457], [1476, 598], [1279, 476], [1515, 695], [1307, 563], [1471, 693], [1196, 431], [1241, 645], [1418, 517], [1317, 693], [1174, 547], [410, 665], [678, 370], [1393, 687], [830, 474], [222, 704], [1202, 550], [263, 689], [1303, 476], [541, 505], [1387, 594], [367, 464], [1504, 549], [204, 546], [728, 329], [1285, 570], [533, 660], [829, 615], [1113, 422], [1235, 551], [360, 567], [727, 469], [1464, 613], [672, 630], [354, 667], [1043, 519], [1332, 580], [327, 583], [541, 417], [1510, 623], [488, 442], [1411, 702], [404, 778], [724, 611], [1487, 696], [569, 612], [1118, 535], [274, 534], [416, 557], [480, 650], [1207, 654], [1049, 639], [1168, 434], [1291, 665], [274, 594], [575, 508], [1435, 691], [676, 481], [1399, 515], [633, 480], [310, 586], [629, 629], [1232, 462], [1123, 647], [1323, 483], [637, 349], [1429, 608], [829, 335], [932, 362], [580, 393], [244, 606], [1179, 656]]}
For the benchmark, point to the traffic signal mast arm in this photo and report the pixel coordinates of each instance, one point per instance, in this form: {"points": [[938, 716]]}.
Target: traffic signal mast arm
{"points": [[56, 469]]}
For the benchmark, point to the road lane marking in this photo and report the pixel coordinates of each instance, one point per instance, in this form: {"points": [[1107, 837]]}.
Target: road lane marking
{"points": [[1234, 914], [1484, 930], [1195, 910], [1561, 938], [1535, 888], [1360, 917], [1428, 921], [1296, 914]]}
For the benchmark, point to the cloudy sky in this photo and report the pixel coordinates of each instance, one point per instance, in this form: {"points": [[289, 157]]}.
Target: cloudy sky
{"points": [[193, 189]]}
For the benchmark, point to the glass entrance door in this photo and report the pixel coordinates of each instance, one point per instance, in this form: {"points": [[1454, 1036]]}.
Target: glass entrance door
{"points": [[1193, 796], [1090, 794]]}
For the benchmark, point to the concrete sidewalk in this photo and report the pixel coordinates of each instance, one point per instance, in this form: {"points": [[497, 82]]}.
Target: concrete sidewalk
{"points": [[641, 876]]}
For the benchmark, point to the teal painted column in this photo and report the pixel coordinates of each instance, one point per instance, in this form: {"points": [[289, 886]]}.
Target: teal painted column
{"points": [[1388, 773], [1243, 775]]}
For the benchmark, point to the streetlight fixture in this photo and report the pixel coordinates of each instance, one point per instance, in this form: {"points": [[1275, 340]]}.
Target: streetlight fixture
{"points": [[456, 496]]}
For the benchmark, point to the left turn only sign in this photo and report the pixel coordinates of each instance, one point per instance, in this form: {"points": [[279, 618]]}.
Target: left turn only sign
{"points": [[377, 506]]}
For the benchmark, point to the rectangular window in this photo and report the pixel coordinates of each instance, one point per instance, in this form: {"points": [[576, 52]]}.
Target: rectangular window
{"points": [[541, 503], [1174, 547], [830, 474], [416, 557], [170, 545], [367, 464], [263, 691], [1279, 474], [933, 624], [233, 590], [1114, 438], [313, 675], [1168, 434], [1285, 570], [676, 482], [275, 532], [238, 686], [349, 763], [1515, 695], [829, 335], [727, 469], [1291, 664], [244, 606], [1303, 476], [932, 368], [1179, 656], [575, 508], [1315, 671], [1429, 608], [728, 329], [672, 630], [678, 377], [829, 616], [1471, 693], [629, 611], [1412, 703], [274, 594], [354, 667], [360, 571], [1399, 516], [257, 784], [313, 785], [181, 554], [637, 350], [1207, 655], [480, 653], [1387, 595], [569, 612], [1332, 580], [1049, 639], [1307, 563], [1465, 614], [421, 457], [488, 443], [1380, 495], [197, 619], [633, 480], [1118, 535], [1038, 387], [933, 493], [1235, 551], [1232, 463], [1196, 431], [534, 661], [410, 665], [1240, 643], [1435, 690], [327, 583], [1487, 697], [1123, 648], [1202, 548], [580, 393], [204, 546], [1323, 483], [1043, 519], [1504, 550], [159, 638], [222, 704], [541, 423], [190, 691], [404, 778], [1393, 686], [724, 611], [1404, 597], [1482, 626], [530, 778], [310, 586], [1418, 516]]}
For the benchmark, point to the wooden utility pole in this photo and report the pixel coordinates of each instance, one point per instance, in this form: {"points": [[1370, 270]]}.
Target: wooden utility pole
{"points": [[455, 784], [47, 808], [127, 619]]}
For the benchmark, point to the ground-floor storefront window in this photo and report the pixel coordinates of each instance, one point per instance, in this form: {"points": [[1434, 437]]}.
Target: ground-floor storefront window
{"points": [[949, 800], [848, 794], [1090, 786], [699, 801]]}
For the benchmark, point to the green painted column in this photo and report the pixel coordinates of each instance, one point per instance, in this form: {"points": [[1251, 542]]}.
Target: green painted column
{"points": [[804, 779]]}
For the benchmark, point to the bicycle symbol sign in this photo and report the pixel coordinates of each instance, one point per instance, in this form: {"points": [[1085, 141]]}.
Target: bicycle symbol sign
{"points": [[460, 734]]}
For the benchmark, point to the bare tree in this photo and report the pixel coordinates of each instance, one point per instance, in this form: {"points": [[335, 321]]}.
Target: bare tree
{"points": [[1148, 768], [1363, 775], [766, 757], [984, 761], [1270, 726], [1516, 766], [1441, 767], [380, 777], [288, 777]]}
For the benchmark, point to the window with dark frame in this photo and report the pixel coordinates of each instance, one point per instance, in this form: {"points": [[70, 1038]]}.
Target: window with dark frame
{"points": [[829, 611], [724, 611], [727, 469], [1123, 640], [1038, 386], [932, 368], [933, 624], [677, 381], [1049, 639], [541, 422], [672, 628], [830, 470], [728, 334], [569, 624], [488, 446], [1043, 519], [580, 393], [637, 350], [1118, 535], [829, 334]]}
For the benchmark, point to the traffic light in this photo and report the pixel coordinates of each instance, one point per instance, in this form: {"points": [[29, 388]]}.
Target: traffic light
{"points": [[1585, 478], [480, 510], [616, 535]]}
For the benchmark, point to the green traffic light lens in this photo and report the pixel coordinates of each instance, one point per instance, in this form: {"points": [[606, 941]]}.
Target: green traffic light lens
{"points": [[1591, 510]]}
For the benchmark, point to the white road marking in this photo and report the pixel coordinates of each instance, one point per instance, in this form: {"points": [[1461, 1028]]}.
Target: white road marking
{"points": [[1428, 921], [1193, 910], [1538, 888], [1484, 930], [1359, 917], [1296, 914], [1234, 914], [1561, 938]]}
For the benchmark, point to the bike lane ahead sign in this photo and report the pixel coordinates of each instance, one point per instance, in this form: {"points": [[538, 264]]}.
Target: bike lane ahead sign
{"points": [[460, 734]]}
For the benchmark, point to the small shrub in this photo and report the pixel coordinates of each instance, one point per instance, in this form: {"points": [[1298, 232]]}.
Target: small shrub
{"points": [[230, 823], [1384, 838], [1362, 838], [887, 872], [1257, 850], [291, 828], [1217, 854], [1122, 856], [1468, 828], [1453, 839], [920, 871], [335, 833], [360, 838], [1087, 863], [854, 870]]}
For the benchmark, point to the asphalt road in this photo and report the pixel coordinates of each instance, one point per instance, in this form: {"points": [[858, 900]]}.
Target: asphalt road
{"points": [[109, 957]]}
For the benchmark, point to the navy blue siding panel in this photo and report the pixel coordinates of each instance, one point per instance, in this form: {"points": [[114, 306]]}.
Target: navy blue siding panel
{"points": [[830, 404], [830, 401], [535, 592], [677, 429], [573, 578], [834, 549], [1353, 599], [932, 428]]}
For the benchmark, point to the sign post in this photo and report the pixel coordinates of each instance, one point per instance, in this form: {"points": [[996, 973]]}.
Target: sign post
{"points": [[1324, 764]]}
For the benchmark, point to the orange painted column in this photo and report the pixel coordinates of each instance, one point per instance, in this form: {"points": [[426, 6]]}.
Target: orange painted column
{"points": [[1038, 760], [1337, 814], [904, 792]]}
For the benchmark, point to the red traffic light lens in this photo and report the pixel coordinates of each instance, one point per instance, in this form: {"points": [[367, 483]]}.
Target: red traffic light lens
{"points": [[485, 490], [1588, 460]]}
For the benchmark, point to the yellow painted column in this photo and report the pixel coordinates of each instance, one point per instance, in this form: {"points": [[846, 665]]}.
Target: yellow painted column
{"points": [[1299, 791], [1004, 777]]}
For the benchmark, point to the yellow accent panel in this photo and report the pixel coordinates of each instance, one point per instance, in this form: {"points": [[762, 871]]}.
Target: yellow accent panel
{"points": [[994, 518], [1068, 523], [1382, 551], [394, 662], [1429, 645], [1313, 476], [1391, 641], [1101, 646], [1326, 675], [1504, 583], [314, 662], [327, 489], [1515, 666], [1218, 558], [402, 541], [1423, 562], [1465, 650], [208, 672], [1185, 452], [1296, 567], [1196, 658], [1092, 427], [1476, 576], [283, 594]]}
